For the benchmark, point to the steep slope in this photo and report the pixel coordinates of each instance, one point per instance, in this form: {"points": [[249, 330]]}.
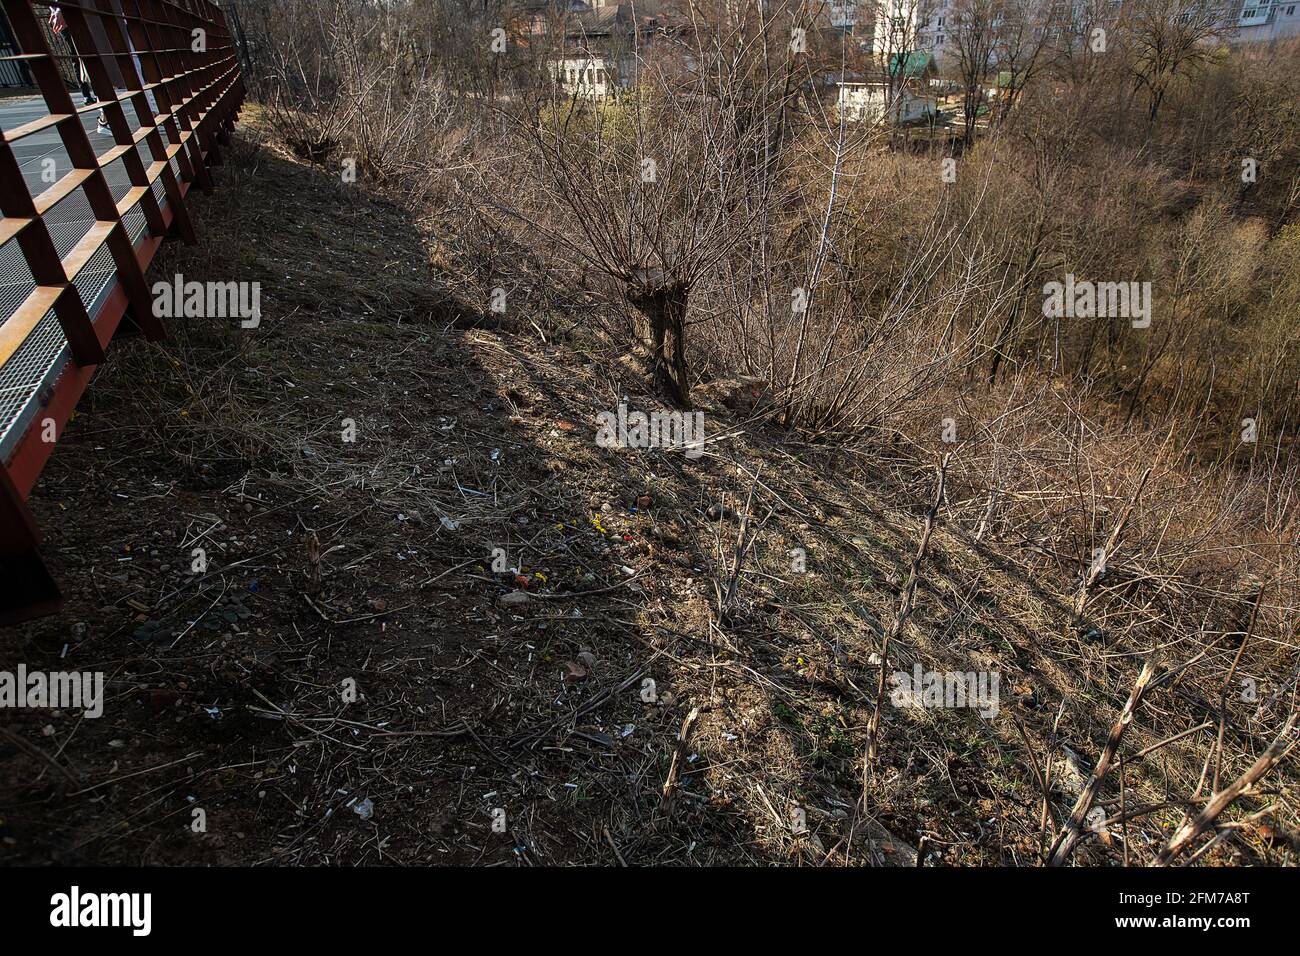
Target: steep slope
{"points": [[532, 715]]}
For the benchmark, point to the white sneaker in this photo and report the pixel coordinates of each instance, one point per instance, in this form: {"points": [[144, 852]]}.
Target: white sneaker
{"points": [[102, 129]]}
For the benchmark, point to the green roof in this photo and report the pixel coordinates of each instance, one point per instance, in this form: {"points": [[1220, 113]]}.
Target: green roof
{"points": [[916, 64]]}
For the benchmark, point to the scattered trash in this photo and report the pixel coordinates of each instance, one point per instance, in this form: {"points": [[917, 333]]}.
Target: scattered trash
{"points": [[365, 809], [574, 672], [448, 523], [514, 598]]}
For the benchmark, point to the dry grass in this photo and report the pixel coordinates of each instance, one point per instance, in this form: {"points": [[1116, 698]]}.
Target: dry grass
{"points": [[225, 687]]}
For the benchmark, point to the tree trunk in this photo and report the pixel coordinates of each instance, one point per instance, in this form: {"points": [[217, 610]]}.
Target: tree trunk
{"points": [[665, 308]]}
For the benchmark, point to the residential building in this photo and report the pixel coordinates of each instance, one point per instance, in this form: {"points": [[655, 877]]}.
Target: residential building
{"points": [[1265, 20], [869, 101], [909, 26], [591, 76]]}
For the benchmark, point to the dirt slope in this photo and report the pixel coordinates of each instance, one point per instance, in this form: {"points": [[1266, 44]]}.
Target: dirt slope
{"points": [[227, 688]]}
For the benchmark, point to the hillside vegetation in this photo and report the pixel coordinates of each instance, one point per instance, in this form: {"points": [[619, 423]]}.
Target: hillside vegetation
{"points": [[479, 634]]}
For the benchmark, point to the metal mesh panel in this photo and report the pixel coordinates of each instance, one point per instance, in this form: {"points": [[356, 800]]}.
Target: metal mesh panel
{"points": [[195, 92]]}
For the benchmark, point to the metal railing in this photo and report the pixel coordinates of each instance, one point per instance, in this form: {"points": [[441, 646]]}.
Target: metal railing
{"points": [[88, 193]]}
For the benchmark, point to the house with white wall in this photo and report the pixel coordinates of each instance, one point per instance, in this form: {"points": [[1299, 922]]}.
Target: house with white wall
{"points": [[869, 102], [590, 76]]}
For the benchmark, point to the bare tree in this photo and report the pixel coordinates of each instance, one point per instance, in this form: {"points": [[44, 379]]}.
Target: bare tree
{"points": [[974, 27], [653, 189], [1169, 39], [899, 31], [1023, 31]]}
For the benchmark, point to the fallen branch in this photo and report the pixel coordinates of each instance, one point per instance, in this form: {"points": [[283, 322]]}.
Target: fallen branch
{"points": [[679, 755], [1073, 829], [1188, 833], [1097, 568], [896, 627]]}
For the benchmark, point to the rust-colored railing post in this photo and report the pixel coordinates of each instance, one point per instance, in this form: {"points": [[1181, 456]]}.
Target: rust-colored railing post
{"points": [[167, 78]]}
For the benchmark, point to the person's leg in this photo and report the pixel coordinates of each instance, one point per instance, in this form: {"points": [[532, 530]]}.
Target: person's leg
{"points": [[83, 78], [87, 91]]}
